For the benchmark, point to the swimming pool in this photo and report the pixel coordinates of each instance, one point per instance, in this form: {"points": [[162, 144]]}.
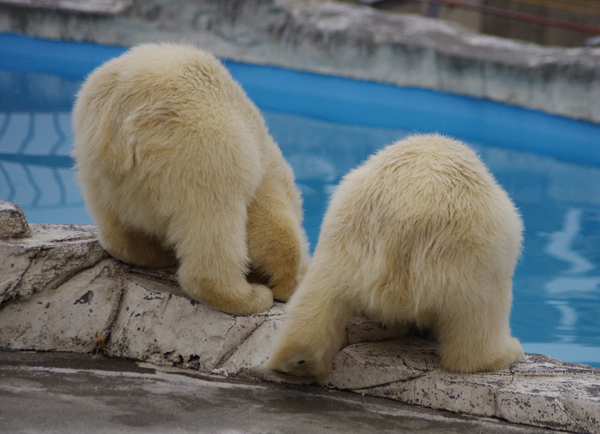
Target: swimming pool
{"points": [[327, 125]]}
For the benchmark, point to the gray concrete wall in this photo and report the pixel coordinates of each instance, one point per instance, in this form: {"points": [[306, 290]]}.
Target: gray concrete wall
{"points": [[346, 40]]}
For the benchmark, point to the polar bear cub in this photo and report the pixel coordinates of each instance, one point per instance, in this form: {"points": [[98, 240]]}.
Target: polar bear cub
{"points": [[420, 233], [176, 166]]}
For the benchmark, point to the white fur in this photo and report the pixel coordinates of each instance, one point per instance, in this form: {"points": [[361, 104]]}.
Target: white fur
{"points": [[176, 164], [421, 233]]}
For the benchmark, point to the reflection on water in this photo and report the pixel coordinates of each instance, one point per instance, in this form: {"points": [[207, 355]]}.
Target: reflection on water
{"points": [[557, 282], [577, 280], [560, 244]]}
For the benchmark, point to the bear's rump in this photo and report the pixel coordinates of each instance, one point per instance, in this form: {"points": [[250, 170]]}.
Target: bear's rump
{"points": [[411, 258]]}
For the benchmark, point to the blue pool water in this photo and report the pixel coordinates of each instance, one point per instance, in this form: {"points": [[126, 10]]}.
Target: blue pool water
{"points": [[326, 126]]}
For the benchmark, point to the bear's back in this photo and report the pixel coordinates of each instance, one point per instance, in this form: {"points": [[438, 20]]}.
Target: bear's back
{"points": [[426, 200], [159, 102], [425, 179], [161, 123]]}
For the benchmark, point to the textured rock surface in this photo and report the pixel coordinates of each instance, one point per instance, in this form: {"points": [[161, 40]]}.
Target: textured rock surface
{"points": [[12, 221], [540, 391], [61, 292], [346, 40], [156, 325], [67, 317], [48, 257]]}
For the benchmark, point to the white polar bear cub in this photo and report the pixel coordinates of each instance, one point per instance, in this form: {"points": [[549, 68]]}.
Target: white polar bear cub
{"points": [[176, 165], [421, 233]]}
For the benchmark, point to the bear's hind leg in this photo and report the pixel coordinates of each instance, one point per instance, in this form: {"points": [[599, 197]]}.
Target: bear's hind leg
{"points": [[132, 246], [314, 329], [276, 246], [475, 335], [213, 257]]}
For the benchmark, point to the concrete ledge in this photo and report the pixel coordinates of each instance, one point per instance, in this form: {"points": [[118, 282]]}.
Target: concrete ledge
{"points": [[61, 292], [540, 391], [345, 40], [80, 393]]}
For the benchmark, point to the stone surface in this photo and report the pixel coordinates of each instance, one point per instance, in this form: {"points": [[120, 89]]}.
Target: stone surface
{"points": [[12, 221], [373, 364], [540, 391], [61, 292], [68, 317], [156, 325], [346, 40], [70, 393], [48, 257], [254, 351]]}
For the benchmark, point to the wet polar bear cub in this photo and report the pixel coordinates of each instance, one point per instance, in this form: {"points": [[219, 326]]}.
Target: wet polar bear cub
{"points": [[176, 165], [420, 233]]}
